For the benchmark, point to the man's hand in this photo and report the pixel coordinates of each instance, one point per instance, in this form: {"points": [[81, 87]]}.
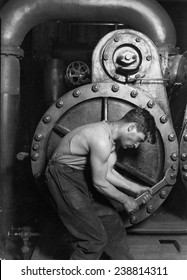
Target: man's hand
{"points": [[130, 205], [146, 198], [142, 189]]}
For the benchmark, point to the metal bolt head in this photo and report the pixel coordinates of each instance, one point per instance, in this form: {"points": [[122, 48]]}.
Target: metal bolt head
{"points": [[149, 57], [185, 137], [171, 137], [35, 147], [35, 156], [174, 156], [76, 93], [138, 39], [184, 167], [59, 103], [135, 58], [173, 176], [38, 137], [150, 104], [128, 56], [46, 119], [115, 87], [174, 167], [95, 88], [163, 194], [163, 119], [184, 156], [134, 93], [105, 56], [116, 38], [150, 209], [185, 176], [133, 219]]}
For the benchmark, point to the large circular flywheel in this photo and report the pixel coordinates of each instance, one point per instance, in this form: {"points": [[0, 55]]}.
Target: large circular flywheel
{"points": [[110, 101]]}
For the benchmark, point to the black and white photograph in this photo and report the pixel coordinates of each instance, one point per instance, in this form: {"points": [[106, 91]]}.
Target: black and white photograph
{"points": [[94, 133]]}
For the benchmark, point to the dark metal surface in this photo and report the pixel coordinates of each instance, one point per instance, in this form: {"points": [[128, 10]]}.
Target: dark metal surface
{"points": [[53, 80]]}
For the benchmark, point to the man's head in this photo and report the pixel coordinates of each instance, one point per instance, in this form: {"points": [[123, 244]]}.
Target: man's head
{"points": [[137, 126]]}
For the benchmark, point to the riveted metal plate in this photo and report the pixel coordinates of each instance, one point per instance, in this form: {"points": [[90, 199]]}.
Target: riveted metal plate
{"points": [[126, 43], [92, 106]]}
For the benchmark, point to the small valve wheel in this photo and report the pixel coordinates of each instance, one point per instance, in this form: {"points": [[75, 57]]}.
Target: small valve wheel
{"points": [[78, 73]]}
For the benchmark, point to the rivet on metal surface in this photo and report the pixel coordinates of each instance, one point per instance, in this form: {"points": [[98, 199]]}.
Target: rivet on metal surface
{"points": [[76, 93], [95, 88], [174, 167], [105, 56], [59, 103], [171, 137], [138, 39], [163, 194], [184, 167], [150, 104], [46, 119], [35, 147], [150, 209], [184, 156], [174, 156], [35, 156], [116, 38], [185, 137], [163, 119], [149, 57], [115, 87], [185, 176], [133, 219], [134, 93], [38, 137]]}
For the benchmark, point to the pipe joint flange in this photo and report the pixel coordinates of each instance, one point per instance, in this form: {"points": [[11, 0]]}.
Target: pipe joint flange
{"points": [[11, 50], [125, 57]]}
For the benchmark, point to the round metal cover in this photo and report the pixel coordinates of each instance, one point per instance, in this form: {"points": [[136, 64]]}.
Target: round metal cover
{"points": [[109, 101]]}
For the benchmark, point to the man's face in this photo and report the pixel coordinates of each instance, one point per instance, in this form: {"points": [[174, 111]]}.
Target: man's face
{"points": [[131, 138]]}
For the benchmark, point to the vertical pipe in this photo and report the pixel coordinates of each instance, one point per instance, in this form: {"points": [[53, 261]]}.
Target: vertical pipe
{"points": [[10, 100]]}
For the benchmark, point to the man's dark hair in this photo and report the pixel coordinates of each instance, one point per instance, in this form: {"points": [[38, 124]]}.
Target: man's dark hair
{"points": [[145, 122]]}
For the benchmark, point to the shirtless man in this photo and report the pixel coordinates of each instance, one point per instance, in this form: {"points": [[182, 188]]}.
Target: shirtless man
{"points": [[82, 179]]}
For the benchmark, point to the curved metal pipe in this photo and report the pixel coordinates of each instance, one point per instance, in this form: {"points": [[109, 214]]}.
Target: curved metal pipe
{"points": [[146, 16]]}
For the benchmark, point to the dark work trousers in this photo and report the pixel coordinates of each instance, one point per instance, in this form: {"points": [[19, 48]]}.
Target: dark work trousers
{"points": [[90, 218]]}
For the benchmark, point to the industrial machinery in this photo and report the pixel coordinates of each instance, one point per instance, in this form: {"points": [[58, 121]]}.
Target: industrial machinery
{"points": [[137, 66]]}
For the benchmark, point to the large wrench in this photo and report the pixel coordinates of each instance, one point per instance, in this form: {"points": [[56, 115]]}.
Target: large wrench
{"points": [[167, 180]]}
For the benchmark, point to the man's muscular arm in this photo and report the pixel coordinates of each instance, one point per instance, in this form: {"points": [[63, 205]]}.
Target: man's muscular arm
{"points": [[99, 154], [122, 183]]}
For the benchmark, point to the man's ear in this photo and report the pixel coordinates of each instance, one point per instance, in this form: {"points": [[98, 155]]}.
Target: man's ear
{"points": [[131, 126]]}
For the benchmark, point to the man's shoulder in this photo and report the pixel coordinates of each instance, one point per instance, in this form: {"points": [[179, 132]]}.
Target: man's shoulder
{"points": [[99, 142]]}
